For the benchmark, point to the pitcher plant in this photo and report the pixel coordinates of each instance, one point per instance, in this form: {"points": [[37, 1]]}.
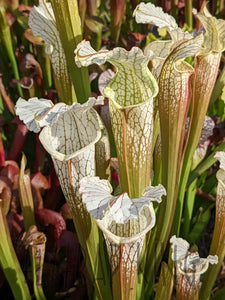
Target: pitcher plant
{"points": [[157, 99]]}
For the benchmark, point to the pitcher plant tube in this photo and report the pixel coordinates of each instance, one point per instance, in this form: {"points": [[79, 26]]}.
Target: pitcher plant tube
{"points": [[130, 93], [70, 135], [207, 63], [189, 267], [124, 223], [42, 22], [218, 240], [175, 91]]}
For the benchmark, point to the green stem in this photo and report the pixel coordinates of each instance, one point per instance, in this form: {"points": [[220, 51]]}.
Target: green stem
{"points": [[205, 164], [188, 208], [174, 9], [70, 32], [219, 7], [45, 64], [9, 262], [26, 199], [188, 14], [181, 194], [170, 176], [5, 36]]}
